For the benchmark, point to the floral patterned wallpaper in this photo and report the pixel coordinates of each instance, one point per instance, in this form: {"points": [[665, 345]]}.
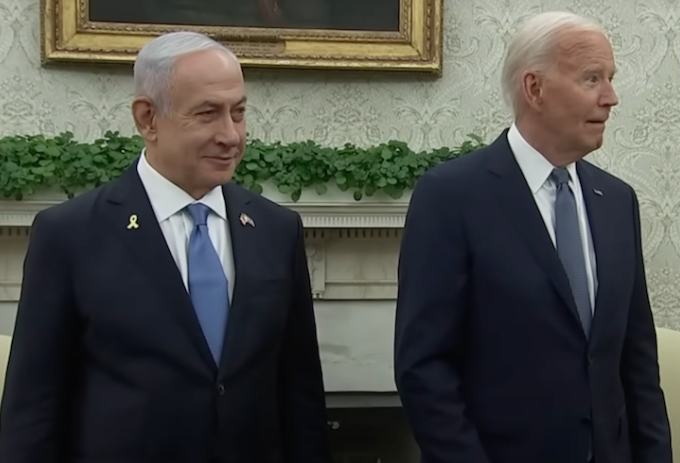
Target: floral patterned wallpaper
{"points": [[335, 107]]}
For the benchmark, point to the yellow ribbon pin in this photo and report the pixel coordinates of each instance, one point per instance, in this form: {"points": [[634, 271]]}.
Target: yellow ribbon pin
{"points": [[133, 222]]}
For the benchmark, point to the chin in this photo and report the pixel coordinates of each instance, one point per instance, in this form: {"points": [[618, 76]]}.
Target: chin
{"points": [[214, 178], [593, 142], [222, 179]]}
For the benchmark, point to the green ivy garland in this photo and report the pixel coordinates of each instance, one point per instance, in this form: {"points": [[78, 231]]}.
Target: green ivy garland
{"points": [[33, 163]]}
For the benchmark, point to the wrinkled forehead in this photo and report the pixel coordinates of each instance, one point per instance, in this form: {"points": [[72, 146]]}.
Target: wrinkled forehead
{"points": [[584, 49], [208, 74]]}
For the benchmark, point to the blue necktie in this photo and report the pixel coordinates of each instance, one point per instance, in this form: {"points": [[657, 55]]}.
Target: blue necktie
{"points": [[570, 247], [208, 285]]}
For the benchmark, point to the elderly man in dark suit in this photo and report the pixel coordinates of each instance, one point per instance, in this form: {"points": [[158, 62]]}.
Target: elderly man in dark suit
{"points": [[523, 331], [167, 316]]}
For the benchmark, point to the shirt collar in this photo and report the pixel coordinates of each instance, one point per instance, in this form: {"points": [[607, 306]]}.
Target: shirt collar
{"points": [[167, 199], [535, 167]]}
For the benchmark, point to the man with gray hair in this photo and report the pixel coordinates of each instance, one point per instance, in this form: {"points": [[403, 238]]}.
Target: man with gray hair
{"points": [[167, 316], [523, 330]]}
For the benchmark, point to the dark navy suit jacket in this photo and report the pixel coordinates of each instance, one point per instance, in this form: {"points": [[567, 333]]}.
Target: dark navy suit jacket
{"points": [[491, 362], [109, 363]]}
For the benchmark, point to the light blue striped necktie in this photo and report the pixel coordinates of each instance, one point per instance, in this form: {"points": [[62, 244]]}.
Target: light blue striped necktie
{"points": [[208, 285], [570, 246]]}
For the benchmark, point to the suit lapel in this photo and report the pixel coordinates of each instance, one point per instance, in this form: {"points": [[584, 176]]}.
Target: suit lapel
{"points": [[602, 230], [243, 242], [148, 250], [519, 205]]}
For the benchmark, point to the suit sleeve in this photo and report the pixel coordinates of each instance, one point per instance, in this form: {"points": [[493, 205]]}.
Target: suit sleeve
{"points": [[302, 395], [432, 303], [646, 408], [34, 406]]}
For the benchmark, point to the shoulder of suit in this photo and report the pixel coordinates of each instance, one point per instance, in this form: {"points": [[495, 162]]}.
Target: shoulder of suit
{"points": [[461, 170], [75, 210]]}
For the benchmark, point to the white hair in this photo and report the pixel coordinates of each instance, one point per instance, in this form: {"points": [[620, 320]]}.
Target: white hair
{"points": [[155, 64], [533, 49]]}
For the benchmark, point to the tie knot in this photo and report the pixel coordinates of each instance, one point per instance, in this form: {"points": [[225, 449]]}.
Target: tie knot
{"points": [[199, 213], [560, 176]]}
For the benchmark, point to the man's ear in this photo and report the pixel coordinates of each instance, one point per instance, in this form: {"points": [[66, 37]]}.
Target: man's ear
{"points": [[532, 89], [145, 114]]}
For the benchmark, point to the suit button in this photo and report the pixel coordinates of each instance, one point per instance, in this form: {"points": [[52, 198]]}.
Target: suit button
{"points": [[590, 359], [220, 389]]}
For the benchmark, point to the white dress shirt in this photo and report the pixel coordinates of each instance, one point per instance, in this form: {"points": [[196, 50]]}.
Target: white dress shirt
{"points": [[169, 203], [537, 169]]}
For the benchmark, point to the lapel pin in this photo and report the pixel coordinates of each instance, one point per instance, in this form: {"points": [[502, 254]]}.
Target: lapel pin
{"points": [[245, 220], [133, 222], [597, 192]]}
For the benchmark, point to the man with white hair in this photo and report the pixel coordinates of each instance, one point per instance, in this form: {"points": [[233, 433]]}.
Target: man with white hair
{"points": [[167, 316], [523, 330]]}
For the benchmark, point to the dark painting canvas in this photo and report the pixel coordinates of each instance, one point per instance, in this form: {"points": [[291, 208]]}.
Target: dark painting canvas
{"points": [[350, 15]]}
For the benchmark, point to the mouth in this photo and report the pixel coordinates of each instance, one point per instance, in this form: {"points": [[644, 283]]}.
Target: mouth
{"points": [[221, 159], [599, 124]]}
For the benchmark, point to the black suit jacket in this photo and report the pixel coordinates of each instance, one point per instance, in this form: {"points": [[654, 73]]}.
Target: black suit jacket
{"points": [[491, 362], [108, 361]]}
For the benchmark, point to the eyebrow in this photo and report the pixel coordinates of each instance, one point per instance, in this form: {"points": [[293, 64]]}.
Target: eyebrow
{"points": [[598, 68], [215, 104]]}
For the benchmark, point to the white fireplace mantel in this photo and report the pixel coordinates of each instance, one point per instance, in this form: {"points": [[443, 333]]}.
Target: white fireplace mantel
{"points": [[335, 209]]}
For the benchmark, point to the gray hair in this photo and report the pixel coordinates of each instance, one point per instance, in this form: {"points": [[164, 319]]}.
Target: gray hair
{"points": [[155, 64], [533, 46]]}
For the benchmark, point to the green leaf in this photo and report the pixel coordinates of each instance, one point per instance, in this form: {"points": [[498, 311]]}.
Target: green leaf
{"points": [[53, 151], [31, 163]]}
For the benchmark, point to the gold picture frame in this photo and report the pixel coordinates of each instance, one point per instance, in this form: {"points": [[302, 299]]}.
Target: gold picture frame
{"points": [[69, 35]]}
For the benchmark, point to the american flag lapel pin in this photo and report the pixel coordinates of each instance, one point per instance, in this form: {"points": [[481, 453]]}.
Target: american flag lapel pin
{"points": [[245, 220]]}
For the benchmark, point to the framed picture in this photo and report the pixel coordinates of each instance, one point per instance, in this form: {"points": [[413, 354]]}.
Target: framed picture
{"points": [[349, 34]]}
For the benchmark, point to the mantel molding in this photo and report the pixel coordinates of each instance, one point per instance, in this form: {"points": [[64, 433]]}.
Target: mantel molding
{"points": [[335, 209]]}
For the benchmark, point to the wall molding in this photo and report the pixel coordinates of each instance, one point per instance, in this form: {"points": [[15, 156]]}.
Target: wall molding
{"points": [[349, 264], [12, 250]]}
